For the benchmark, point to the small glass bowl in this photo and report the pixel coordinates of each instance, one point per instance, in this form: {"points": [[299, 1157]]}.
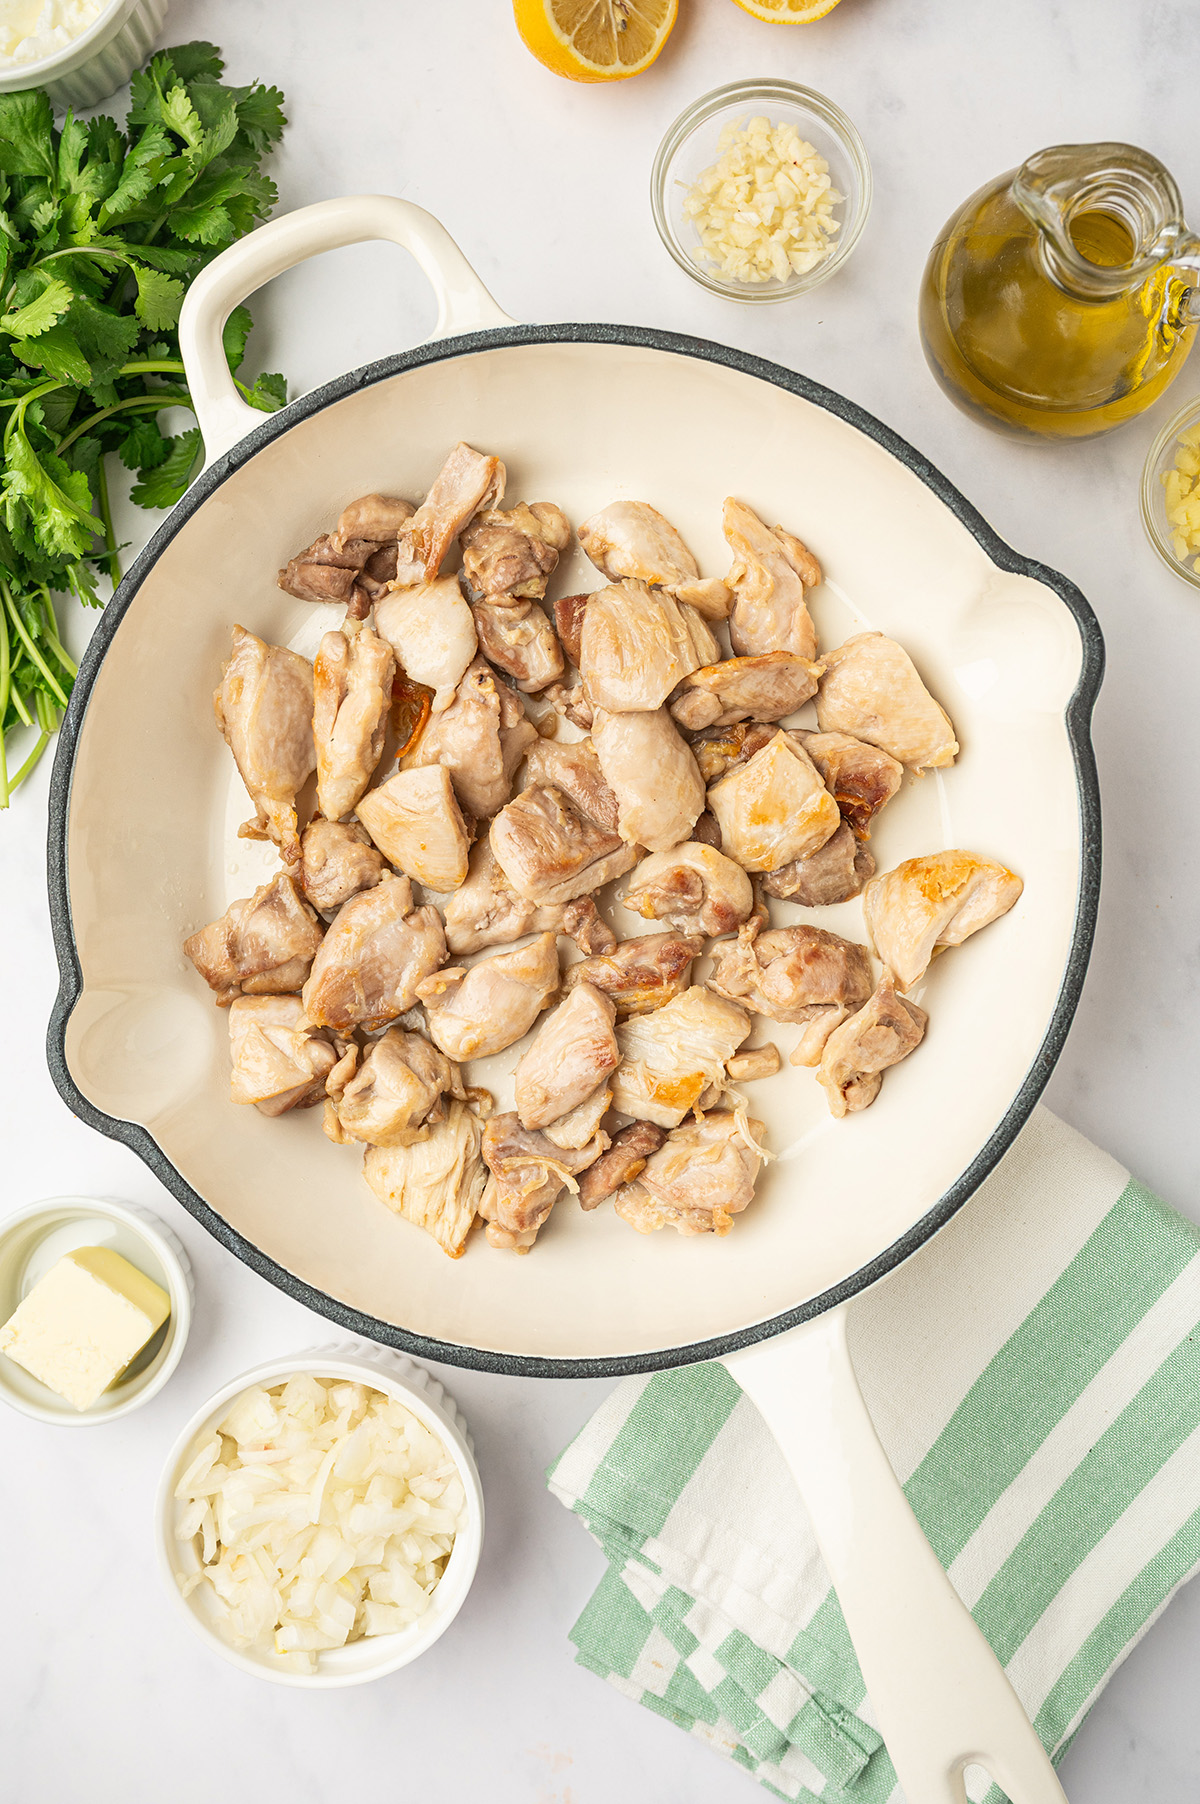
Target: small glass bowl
{"points": [[1160, 459], [690, 147]]}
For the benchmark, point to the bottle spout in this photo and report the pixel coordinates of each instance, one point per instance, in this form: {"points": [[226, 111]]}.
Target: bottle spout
{"points": [[1064, 188]]}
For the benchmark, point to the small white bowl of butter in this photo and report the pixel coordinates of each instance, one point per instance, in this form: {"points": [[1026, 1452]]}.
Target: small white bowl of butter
{"points": [[54, 1245], [80, 51]]}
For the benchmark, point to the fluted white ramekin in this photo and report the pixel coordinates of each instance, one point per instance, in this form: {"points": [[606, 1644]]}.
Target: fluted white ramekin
{"points": [[99, 61]]}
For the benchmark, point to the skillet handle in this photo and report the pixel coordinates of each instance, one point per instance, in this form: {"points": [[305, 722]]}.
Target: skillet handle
{"points": [[464, 304], [940, 1696]]}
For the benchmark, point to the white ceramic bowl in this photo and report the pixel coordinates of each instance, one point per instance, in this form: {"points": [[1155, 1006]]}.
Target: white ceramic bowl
{"points": [[372, 1656], [35, 1238], [99, 61]]}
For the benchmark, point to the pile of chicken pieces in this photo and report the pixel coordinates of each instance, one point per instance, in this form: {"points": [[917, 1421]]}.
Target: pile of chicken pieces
{"points": [[338, 979]]}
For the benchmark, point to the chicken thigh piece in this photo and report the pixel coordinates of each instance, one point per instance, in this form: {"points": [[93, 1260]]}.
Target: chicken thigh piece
{"points": [[861, 778], [770, 576], [480, 739], [583, 923], [467, 483], [337, 860], [390, 1098], [520, 641], [475, 1013], [573, 1054], [550, 851], [349, 564], [762, 688], [636, 645], [510, 557], [435, 1183], [699, 1180], [692, 887], [774, 808], [264, 708], [568, 623], [927, 903], [262, 945], [671, 1057], [631, 539], [718, 749], [794, 974], [833, 873], [623, 1162], [871, 690], [352, 692], [639, 975], [415, 820], [431, 631], [528, 1175], [373, 957], [651, 771], [884, 1031], [487, 911], [280, 1060]]}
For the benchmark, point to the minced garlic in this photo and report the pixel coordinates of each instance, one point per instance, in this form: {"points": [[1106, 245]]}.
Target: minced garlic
{"points": [[1182, 497], [764, 210]]}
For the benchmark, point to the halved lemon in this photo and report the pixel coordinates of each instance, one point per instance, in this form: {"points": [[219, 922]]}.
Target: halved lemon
{"points": [[787, 12], [595, 40]]}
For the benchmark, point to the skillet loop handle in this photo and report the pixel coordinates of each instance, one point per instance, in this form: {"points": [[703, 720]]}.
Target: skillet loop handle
{"points": [[940, 1696], [464, 304]]}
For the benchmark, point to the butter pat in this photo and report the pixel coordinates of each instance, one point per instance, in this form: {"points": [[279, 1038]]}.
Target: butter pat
{"points": [[80, 1326]]}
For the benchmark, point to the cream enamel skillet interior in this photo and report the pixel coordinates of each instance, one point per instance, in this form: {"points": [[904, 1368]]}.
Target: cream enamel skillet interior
{"points": [[146, 803]]}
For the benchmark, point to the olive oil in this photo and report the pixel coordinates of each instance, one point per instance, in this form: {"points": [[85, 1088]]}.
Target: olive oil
{"points": [[1045, 312]]}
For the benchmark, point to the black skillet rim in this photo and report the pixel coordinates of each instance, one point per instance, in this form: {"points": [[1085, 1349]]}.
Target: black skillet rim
{"points": [[1078, 721]]}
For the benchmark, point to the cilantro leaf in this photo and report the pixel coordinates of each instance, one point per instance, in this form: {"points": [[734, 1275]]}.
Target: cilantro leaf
{"points": [[105, 338], [26, 134], [39, 314], [269, 393], [144, 447], [236, 331], [48, 489], [164, 486], [57, 353], [159, 298], [140, 174], [195, 59]]}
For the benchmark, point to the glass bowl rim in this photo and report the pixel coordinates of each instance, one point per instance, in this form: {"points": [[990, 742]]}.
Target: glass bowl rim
{"points": [[728, 97], [1153, 512]]}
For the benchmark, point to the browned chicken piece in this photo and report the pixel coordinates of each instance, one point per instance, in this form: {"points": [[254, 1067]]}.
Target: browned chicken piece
{"points": [[509, 557], [337, 860], [718, 749], [570, 702], [774, 808], [623, 1162], [640, 975], [884, 1031], [480, 739], [871, 690], [352, 693], [396, 1090], [706, 830], [528, 1175], [670, 1058], [487, 911], [466, 484], [637, 645], [583, 923], [324, 571], [374, 580], [558, 839], [351, 563], [568, 623], [698, 1181], [280, 1061], [753, 1062], [264, 708], [520, 641], [693, 887], [373, 957], [651, 771], [430, 628], [932, 902], [834, 873], [435, 1183], [582, 1123], [573, 1053], [575, 769], [631, 539], [263, 945], [770, 576], [374, 518], [415, 820], [761, 688], [861, 778], [475, 1013], [794, 974]]}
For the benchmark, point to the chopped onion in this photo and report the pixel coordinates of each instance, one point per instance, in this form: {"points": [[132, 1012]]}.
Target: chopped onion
{"points": [[324, 1511]]}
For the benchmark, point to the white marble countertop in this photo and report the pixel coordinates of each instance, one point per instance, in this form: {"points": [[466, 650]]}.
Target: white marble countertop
{"points": [[106, 1693]]}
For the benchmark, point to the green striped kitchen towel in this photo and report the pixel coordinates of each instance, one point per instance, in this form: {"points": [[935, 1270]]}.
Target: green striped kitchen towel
{"points": [[1034, 1373]]}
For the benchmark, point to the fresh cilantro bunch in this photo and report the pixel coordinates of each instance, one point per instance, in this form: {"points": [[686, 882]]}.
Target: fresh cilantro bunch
{"points": [[101, 230]]}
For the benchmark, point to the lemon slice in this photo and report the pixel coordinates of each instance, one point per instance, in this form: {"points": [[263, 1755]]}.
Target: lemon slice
{"points": [[595, 40], [787, 12]]}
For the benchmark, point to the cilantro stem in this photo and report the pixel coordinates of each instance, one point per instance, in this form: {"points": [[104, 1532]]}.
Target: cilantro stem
{"points": [[31, 649], [164, 397], [18, 701], [5, 691], [110, 537], [47, 721], [50, 634]]}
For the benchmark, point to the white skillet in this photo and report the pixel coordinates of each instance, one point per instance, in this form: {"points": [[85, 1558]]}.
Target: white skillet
{"points": [[143, 848]]}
